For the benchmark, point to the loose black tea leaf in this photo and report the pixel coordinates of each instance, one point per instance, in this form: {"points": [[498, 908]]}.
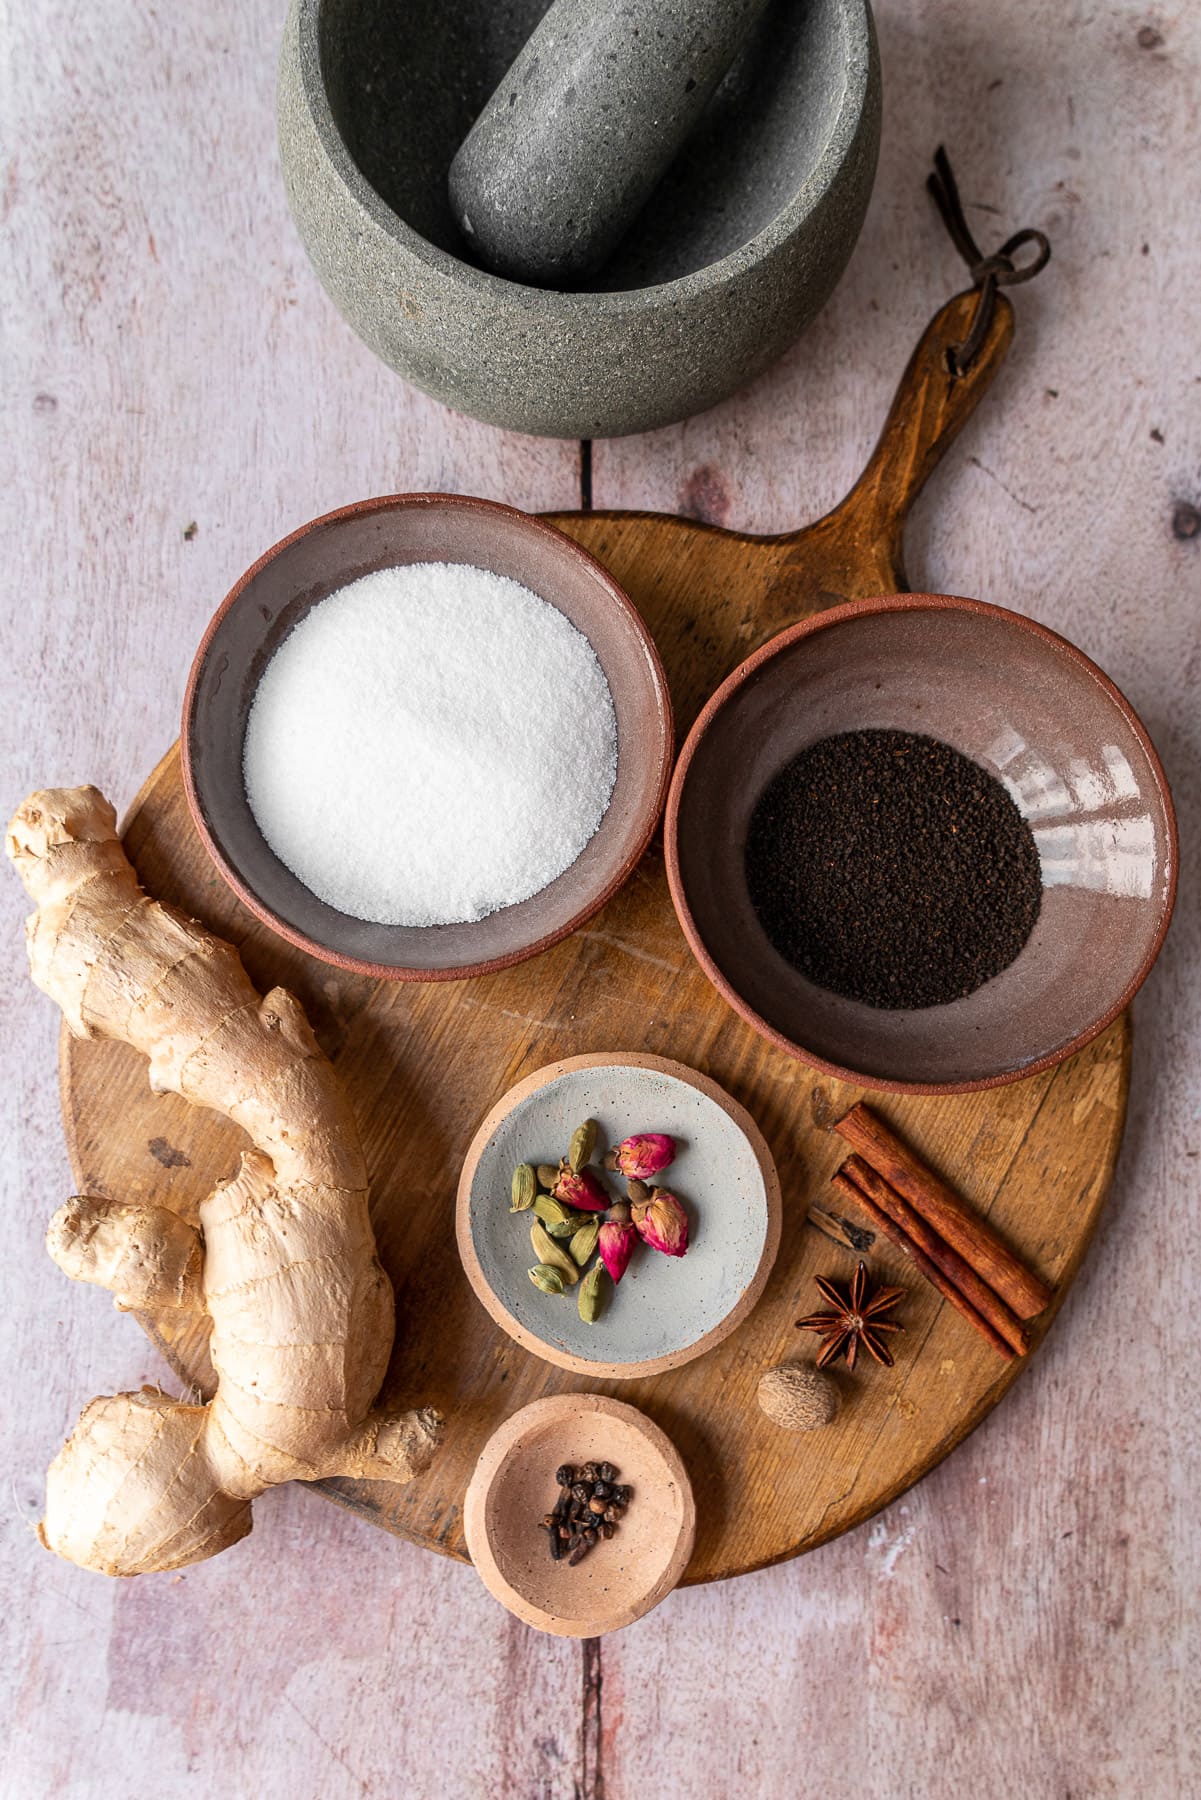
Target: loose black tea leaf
{"points": [[891, 869]]}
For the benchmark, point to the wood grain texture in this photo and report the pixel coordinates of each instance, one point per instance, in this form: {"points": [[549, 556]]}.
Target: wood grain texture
{"points": [[423, 1066], [1025, 1619]]}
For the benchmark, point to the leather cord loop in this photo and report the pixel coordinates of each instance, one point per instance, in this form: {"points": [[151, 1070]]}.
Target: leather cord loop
{"points": [[988, 272]]}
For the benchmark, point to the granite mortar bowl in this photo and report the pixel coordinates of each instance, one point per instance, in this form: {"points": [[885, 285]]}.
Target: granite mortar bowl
{"points": [[731, 258], [282, 587], [1029, 707]]}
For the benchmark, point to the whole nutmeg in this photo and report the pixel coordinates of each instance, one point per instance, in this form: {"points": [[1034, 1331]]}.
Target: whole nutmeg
{"points": [[799, 1398]]}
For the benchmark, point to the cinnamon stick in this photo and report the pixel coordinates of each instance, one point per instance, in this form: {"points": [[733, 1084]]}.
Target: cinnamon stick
{"points": [[941, 1207], [890, 1229], [960, 1273]]}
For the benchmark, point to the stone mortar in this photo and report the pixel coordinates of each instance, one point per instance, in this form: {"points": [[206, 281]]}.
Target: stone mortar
{"points": [[730, 259]]}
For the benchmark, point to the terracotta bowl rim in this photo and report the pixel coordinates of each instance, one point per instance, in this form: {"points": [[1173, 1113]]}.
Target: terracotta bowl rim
{"points": [[838, 615], [534, 526], [508, 1438]]}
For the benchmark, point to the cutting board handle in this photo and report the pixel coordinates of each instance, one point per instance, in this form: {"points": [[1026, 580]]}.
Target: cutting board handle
{"points": [[856, 550]]}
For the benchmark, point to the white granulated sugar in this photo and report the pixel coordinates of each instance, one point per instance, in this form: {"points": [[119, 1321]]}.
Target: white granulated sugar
{"points": [[429, 744]]}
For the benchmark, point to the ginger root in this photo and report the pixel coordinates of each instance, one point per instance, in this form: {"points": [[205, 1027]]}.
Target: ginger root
{"points": [[284, 1261]]}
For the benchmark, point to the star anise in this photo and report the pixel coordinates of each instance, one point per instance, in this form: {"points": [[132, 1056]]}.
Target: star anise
{"points": [[855, 1318]]}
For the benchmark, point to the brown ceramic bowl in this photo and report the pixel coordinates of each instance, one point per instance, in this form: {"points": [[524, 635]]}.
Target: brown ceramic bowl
{"points": [[1025, 704], [276, 594]]}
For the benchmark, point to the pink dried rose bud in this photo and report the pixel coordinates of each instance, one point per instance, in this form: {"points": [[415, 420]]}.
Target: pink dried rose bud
{"points": [[583, 1191], [662, 1222], [616, 1244], [643, 1155]]}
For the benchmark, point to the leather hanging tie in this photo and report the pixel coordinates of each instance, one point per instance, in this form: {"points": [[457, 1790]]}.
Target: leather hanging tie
{"points": [[988, 272]]}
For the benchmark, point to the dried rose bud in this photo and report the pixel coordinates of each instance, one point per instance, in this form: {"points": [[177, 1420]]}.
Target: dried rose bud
{"points": [[662, 1222], [644, 1154], [582, 1190], [616, 1244]]}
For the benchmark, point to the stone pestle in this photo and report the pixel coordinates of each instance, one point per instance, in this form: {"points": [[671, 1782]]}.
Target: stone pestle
{"points": [[587, 119]]}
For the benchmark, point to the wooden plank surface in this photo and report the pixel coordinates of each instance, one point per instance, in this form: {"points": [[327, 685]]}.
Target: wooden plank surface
{"points": [[1023, 1621]]}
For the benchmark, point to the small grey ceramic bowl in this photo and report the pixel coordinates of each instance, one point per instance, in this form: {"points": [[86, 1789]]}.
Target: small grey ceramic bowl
{"points": [[665, 1310], [733, 255], [281, 588]]}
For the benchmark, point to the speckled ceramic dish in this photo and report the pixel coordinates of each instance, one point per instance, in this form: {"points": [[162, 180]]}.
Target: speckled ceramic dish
{"points": [[1036, 713], [514, 1486], [282, 588], [665, 1310]]}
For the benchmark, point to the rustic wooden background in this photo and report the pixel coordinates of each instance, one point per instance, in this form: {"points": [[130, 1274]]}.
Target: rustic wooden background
{"points": [[177, 394]]}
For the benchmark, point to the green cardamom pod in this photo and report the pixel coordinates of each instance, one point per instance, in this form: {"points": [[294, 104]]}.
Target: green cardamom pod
{"points": [[583, 1143], [590, 1294], [525, 1186], [546, 1278], [547, 1251], [552, 1212], [548, 1174], [583, 1241], [564, 1231]]}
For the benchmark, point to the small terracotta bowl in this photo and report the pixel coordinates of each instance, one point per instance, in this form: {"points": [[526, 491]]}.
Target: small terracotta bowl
{"points": [[514, 1486], [1029, 707], [282, 587], [665, 1310]]}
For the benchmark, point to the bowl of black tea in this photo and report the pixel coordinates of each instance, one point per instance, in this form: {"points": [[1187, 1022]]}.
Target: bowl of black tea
{"points": [[923, 844]]}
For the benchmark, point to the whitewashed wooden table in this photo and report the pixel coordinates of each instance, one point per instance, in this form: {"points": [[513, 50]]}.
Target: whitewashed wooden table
{"points": [[177, 394]]}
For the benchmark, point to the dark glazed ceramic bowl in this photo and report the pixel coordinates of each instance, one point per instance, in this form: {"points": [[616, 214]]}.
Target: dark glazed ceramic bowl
{"points": [[735, 252], [277, 593], [1040, 716]]}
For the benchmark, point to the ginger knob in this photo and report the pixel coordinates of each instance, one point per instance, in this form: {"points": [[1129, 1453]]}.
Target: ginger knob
{"points": [[799, 1398]]}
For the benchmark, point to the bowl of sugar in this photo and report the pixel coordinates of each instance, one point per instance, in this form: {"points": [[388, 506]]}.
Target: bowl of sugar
{"points": [[426, 736]]}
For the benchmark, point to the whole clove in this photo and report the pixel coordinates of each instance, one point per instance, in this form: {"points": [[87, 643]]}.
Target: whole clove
{"points": [[555, 1522], [588, 1510]]}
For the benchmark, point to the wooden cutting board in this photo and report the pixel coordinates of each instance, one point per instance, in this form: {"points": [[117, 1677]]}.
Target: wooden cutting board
{"points": [[424, 1063]]}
